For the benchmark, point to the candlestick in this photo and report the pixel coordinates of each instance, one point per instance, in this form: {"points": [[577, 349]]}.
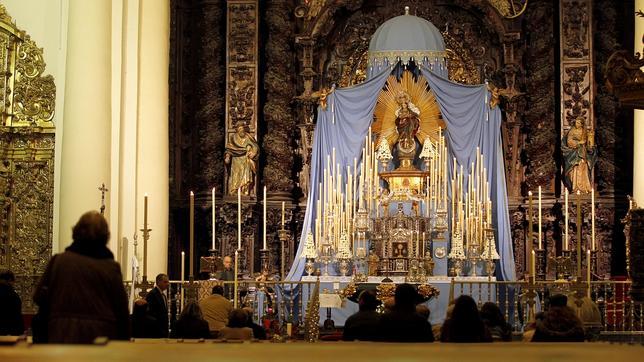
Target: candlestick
{"points": [[578, 233], [539, 218], [592, 218], [235, 285], [529, 241], [145, 234], [192, 233], [239, 236], [213, 219], [566, 218], [264, 239], [588, 266], [183, 277], [533, 269]]}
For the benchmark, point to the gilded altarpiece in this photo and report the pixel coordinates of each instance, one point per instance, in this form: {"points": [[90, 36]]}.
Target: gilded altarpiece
{"points": [[26, 158]]}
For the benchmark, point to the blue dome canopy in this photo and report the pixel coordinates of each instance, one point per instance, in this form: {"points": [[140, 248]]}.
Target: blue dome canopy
{"points": [[406, 37]]}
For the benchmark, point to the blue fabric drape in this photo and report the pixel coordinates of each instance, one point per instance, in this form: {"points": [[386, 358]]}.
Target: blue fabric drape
{"points": [[343, 125], [471, 124]]}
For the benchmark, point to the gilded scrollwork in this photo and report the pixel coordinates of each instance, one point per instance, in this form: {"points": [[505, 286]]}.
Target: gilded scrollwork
{"points": [[27, 168]]}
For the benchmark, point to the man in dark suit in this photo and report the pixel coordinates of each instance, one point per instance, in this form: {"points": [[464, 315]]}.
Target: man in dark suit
{"points": [[364, 325], [227, 275], [158, 303]]}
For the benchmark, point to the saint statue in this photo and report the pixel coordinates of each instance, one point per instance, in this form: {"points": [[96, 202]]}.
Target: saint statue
{"points": [[241, 155], [407, 124], [580, 154]]}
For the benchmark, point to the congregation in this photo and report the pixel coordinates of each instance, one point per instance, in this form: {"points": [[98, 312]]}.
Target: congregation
{"points": [[81, 297]]}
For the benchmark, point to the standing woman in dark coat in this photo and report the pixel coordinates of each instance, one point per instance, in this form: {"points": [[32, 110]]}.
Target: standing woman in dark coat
{"points": [[81, 295]]}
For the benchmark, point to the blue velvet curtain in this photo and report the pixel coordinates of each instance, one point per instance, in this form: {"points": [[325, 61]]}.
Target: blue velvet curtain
{"points": [[471, 124], [344, 124]]}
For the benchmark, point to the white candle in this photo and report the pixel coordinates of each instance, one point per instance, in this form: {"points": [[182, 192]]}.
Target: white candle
{"points": [[183, 266], [566, 218], [192, 232], [592, 218], [239, 236], [213, 218], [539, 217], [283, 206], [264, 240]]}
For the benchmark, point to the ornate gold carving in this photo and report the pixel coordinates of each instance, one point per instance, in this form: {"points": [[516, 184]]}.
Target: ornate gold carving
{"points": [[35, 94], [460, 65], [575, 28], [27, 165], [509, 8], [625, 78], [242, 69]]}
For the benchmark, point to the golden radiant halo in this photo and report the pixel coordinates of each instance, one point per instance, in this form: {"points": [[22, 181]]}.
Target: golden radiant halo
{"points": [[384, 123]]}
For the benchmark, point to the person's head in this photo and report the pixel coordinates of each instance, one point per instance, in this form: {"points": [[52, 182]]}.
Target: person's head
{"points": [[249, 313], [402, 98], [465, 323], [491, 313], [228, 262], [7, 277], [367, 301], [558, 300], [238, 318], [218, 289], [579, 122], [192, 310], [406, 297], [162, 281], [241, 129], [91, 230], [423, 310]]}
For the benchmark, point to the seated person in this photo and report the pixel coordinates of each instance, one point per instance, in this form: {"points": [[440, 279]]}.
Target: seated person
{"points": [[215, 309], [403, 324], [258, 331], [559, 323], [465, 324], [493, 319], [363, 325], [143, 324], [191, 324], [236, 328], [10, 306]]}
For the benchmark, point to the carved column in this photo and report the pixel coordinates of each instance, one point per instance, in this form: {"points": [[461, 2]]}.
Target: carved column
{"points": [[279, 83], [242, 66], [577, 91]]}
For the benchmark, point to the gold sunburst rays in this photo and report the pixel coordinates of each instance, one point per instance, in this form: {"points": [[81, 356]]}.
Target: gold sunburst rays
{"points": [[384, 124]]}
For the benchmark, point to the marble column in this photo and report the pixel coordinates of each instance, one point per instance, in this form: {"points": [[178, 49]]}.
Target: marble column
{"points": [[152, 133], [85, 156]]}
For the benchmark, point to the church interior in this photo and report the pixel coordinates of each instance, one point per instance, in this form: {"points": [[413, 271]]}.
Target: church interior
{"points": [[175, 174]]}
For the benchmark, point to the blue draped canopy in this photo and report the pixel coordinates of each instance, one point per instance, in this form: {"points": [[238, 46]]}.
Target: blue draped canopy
{"points": [[345, 121]]}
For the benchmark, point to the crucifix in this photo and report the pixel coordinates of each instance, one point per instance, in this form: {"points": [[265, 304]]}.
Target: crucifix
{"points": [[103, 190]]}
